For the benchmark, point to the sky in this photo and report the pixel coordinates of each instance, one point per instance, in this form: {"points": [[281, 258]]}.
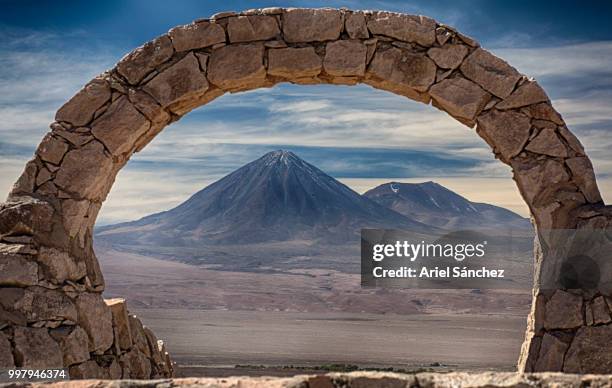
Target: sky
{"points": [[357, 134]]}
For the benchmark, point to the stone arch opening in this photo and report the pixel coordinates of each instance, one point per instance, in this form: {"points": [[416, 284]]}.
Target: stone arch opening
{"points": [[51, 282]]}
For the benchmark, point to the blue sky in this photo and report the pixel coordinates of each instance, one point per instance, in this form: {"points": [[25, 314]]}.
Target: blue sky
{"points": [[50, 48]]}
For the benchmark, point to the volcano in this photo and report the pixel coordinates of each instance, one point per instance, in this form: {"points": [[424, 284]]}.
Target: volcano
{"points": [[435, 205], [276, 198]]}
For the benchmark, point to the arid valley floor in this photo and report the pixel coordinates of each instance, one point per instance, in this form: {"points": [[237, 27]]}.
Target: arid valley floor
{"points": [[213, 321]]}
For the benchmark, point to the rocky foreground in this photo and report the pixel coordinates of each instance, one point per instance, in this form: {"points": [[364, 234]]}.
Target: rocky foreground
{"points": [[359, 380]]}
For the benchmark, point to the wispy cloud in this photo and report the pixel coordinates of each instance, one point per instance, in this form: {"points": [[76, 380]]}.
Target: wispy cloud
{"points": [[348, 131]]}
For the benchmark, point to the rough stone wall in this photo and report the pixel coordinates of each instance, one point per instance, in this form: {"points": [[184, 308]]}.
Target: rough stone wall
{"points": [[364, 380], [50, 279]]}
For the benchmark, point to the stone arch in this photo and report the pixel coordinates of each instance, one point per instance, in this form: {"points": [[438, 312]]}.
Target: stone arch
{"points": [[51, 282]]}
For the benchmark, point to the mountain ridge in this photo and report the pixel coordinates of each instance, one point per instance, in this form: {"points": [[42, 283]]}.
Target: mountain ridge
{"points": [[277, 197], [436, 205]]}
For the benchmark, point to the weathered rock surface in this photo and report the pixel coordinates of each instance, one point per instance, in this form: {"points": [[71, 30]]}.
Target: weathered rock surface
{"points": [[73, 342], [237, 67], [80, 109], [181, 81], [448, 56], [96, 318], [85, 171], [507, 132], [140, 62], [490, 72], [563, 311], [527, 94], [52, 149], [60, 266], [311, 25], [6, 353], [548, 143], [42, 304], [407, 28], [120, 126], [590, 351], [252, 28], [459, 97], [552, 351], [355, 25], [583, 174], [345, 58], [402, 72], [17, 270], [294, 63], [196, 35], [120, 322], [34, 348]]}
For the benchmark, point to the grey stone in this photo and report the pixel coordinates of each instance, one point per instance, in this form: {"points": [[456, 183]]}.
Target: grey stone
{"points": [[563, 311]]}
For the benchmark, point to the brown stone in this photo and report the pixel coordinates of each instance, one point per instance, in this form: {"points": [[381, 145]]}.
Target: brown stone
{"points": [[534, 180], [85, 171], [355, 25], [42, 304], [584, 176], [448, 56], [96, 318], [73, 342], [140, 62], [34, 348], [60, 266], [120, 126], [88, 370], [563, 311], [80, 109], [26, 181], [139, 339], [16, 270], [507, 132], [137, 363], [73, 215], [196, 35], [402, 72], [252, 28], [345, 58], [528, 93], [551, 354], [547, 143], [237, 67], [120, 322], [52, 149], [601, 314], [590, 351], [156, 356], [544, 111], [75, 138], [148, 107], [311, 25], [180, 82], [571, 140], [408, 28], [294, 62], [6, 353], [490, 72], [43, 176], [459, 97]]}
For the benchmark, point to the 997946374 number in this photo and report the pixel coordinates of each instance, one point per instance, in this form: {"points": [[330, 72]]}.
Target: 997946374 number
{"points": [[23, 374]]}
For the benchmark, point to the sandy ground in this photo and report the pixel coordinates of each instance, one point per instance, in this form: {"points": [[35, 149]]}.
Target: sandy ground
{"points": [[213, 320], [223, 339]]}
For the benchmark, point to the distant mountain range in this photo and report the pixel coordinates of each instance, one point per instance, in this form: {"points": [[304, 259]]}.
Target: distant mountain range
{"points": [[278, 197], [435, 205], [280, 209]]}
